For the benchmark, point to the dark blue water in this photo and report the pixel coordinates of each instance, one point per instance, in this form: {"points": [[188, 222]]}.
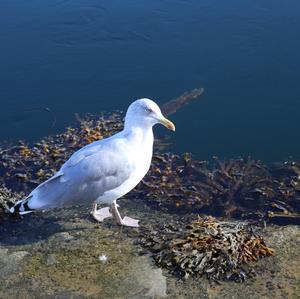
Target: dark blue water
{"points": [[92, 56]]}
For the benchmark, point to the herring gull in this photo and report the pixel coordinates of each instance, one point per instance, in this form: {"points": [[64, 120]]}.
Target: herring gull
{"points": [[103, 171]]}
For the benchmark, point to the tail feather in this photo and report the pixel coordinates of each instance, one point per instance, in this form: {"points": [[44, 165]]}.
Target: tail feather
{"points": [[21, 207]]}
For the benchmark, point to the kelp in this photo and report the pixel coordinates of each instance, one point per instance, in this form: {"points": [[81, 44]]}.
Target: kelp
{"points": [[172, 106], [218, 250], [239, 188]]}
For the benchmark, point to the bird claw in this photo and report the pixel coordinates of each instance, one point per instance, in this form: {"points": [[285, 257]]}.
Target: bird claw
{"points": [[101, 214]]}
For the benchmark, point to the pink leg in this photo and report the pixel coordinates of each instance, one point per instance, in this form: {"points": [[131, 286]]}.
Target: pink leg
{"points": [[127, 221]]}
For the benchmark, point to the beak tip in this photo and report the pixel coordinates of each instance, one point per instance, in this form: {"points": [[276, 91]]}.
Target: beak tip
{"points": [[168, 124]]}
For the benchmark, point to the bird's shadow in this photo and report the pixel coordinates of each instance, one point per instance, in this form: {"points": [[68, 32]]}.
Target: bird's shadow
{"points": [[30, 228], [23, 231]]}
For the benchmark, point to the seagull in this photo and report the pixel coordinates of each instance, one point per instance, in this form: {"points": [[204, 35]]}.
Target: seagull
{"points": [[103, 171]]}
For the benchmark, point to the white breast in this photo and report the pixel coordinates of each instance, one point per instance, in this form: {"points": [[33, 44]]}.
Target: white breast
{"points": [[141, 148]]}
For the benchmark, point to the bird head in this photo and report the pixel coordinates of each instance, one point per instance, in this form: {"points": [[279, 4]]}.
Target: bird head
{"points": [[145, 112]]}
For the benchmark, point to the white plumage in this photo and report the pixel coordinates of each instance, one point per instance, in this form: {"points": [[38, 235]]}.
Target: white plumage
{"points": [[105, 170]]}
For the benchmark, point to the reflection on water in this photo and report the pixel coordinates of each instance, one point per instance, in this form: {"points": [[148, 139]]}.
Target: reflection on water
{"points": [[90, 56]]}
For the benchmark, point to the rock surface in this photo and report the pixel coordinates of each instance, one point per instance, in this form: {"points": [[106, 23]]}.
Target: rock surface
{"points": [[56, 254]]}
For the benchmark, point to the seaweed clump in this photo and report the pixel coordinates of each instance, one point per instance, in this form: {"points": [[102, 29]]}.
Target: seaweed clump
{"points": [[23, 167], [7, 198], [239, 188], [205, 247]]}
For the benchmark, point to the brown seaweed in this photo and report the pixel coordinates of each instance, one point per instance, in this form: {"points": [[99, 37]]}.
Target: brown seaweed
{"points": [[206, 247], [172, 106], [239, 188]]}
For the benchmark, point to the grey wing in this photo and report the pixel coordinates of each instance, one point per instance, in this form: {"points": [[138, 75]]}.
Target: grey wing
{"points": [[104, 169], [85, 176]]}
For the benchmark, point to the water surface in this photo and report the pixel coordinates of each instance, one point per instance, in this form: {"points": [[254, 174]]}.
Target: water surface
{"points": [[91, 56]]}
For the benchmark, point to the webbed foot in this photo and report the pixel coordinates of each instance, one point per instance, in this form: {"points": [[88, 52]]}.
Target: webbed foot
{"points": [[127, 221], [101, 214]]}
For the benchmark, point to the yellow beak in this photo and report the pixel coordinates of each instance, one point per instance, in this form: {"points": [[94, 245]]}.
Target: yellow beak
{"points": [[168, 124]]}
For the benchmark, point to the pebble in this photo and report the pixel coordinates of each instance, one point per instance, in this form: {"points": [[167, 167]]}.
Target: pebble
{"points": [[51, 259]]}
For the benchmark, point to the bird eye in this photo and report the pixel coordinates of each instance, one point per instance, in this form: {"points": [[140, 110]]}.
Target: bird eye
{"points": [[149, 110]]}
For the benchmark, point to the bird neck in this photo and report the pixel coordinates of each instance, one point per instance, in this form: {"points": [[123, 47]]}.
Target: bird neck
{"points": [[140, 134]]}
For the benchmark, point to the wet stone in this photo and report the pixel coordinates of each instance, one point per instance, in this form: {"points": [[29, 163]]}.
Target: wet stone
{"points": [[10, 261], [64, 236]]}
